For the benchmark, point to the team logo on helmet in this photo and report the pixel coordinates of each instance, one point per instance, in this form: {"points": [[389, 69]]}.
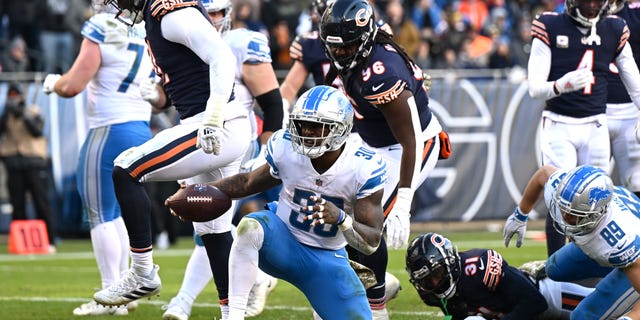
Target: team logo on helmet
{"points": [[362, 17], [599, 194]]}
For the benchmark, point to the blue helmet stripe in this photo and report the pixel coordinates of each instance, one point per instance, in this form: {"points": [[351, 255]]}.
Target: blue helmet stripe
{"points": [[314, 98], [577, 181]]}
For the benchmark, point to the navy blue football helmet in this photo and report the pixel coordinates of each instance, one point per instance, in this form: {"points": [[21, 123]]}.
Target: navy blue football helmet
{"points": [[584, 12], [433, 264], [131, 9], [347, 30]]}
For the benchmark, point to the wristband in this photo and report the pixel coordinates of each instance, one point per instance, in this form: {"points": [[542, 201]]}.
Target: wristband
{"points": [[346, 224], [519, 215], [341, 217]]}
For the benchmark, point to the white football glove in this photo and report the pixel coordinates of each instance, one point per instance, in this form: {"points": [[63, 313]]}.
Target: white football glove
{"points": [[208, 139], [149, 91], [516, 223], [49, 82], [574, 80], [256, 162], [398, 220], [474, 318]]}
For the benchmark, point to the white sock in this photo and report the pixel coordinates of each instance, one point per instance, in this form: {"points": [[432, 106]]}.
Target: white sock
{"points": [[243, 266], [124, 244], [106, 249], [142, 262], [197, 274]]}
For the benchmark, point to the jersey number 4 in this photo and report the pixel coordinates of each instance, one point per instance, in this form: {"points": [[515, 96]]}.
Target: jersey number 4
{"points": [[586, 62]]}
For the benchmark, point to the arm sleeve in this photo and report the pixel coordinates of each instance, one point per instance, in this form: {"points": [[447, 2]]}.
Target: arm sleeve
{"points": [[538, 71], [190, 28], [629, 73]]}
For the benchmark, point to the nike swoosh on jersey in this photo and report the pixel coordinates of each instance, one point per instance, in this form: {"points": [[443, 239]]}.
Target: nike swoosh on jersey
{"points": [[375, 88], [481, 267]]}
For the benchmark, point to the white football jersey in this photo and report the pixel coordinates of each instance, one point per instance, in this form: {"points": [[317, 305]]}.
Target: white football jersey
{"points": [[114, 94], [358, 173], [249, 47], [615, 242]]}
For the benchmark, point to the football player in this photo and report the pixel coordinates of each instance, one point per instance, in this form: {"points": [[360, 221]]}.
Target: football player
{"points": [[307, 54], [569, 66], [392, 116], [601, 221], [255, 81], [197, 69], [479, 283], [111, 65], [331, 196], [621, 112]]}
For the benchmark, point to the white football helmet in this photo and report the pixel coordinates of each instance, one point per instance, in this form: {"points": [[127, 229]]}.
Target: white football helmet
{"points": [[323, 105], [583, 195], [223, 25], [130, 12]]}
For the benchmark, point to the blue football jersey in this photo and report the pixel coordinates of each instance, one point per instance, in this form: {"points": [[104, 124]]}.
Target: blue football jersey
{"points": [[570, 51], [617, 93], [489, 286], [379, 81], [308, 49]]}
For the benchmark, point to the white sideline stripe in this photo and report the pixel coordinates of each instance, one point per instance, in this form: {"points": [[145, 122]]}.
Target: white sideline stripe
{"points": [[197, 305], [85, 255]]}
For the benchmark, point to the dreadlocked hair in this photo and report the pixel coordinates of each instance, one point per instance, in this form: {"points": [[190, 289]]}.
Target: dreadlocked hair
{"points": [[381, 37]]}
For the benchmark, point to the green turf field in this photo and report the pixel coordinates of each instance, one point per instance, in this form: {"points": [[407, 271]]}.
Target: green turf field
{"points": [[51, 286]]}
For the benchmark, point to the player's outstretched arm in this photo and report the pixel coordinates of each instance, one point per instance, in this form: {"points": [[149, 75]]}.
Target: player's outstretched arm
{"points": [[517, 221], [247, 183], [81, 72]]}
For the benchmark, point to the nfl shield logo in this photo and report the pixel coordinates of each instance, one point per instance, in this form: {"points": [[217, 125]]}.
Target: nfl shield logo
{"points": [[318, 182], [562, 42]]}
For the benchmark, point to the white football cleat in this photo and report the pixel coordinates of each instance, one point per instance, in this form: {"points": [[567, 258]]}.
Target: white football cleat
{"points": [[92, 308], [130, 288], [177, 309], [392, 287], [258, 296]]}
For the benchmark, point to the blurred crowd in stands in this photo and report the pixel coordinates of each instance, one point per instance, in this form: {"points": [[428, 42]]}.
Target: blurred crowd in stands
{"points": [[44, 35]]}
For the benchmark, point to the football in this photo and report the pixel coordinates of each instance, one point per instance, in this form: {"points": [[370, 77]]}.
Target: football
{"points": [[199, 203]]}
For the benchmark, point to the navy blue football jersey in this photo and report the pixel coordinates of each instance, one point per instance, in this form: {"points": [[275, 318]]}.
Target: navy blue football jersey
{"points": [[570, 51], [381, 80], [489, 286], [617, 93], [308, 49], [186, 84]]}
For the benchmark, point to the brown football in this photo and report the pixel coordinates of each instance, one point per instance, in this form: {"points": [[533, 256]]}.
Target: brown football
{"points": [[199, 203]]}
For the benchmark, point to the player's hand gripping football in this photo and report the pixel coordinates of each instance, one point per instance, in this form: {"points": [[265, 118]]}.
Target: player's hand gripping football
{"points": [[516, 223], [398, 220], [321, 211]]}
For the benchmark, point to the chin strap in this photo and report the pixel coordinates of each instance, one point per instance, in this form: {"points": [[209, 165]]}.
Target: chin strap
{"points": [[593, 37]]}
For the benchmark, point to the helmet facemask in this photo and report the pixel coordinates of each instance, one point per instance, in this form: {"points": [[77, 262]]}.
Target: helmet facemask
{"points": [[581, 200], [222, 25], [347, 30], [130, 12], [320, 121], [433, 265]]}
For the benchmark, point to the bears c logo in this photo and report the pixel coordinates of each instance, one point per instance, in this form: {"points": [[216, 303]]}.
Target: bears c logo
{"points": [[362, 17]]}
